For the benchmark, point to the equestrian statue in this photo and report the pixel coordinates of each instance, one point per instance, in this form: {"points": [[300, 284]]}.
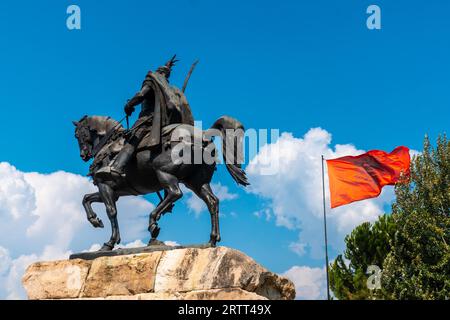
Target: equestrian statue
{"points": [[146, 158]]}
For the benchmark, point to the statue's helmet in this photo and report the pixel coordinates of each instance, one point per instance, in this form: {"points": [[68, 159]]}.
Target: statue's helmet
{"points": [[167, 68]]}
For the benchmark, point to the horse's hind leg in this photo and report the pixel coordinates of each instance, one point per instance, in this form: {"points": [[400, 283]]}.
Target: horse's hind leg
{"points": [[205, 193], [109, 198], [173, 192]]}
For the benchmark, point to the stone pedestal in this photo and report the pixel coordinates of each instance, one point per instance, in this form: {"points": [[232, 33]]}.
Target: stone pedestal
{"points": [[180, 273]]}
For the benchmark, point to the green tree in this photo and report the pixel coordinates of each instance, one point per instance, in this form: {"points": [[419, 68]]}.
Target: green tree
{"points": [[418, 265], [368, 244], [411, 245]]}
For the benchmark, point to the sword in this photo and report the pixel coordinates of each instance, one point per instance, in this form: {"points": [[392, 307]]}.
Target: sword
{"points": [[189, 76]]}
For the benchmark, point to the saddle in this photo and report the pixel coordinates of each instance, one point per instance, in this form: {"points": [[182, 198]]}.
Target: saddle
{"points": [[179, 133]]}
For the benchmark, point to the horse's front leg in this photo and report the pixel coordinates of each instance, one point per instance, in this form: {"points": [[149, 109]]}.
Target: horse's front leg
{"points": [[91, 215], [109, 198]]}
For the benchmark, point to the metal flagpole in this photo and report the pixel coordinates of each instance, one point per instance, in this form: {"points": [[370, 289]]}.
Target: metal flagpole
{"points": [[325, 229]]}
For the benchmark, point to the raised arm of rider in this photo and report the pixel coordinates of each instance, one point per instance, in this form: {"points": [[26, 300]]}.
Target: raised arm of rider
{"points": [[137, 99]]}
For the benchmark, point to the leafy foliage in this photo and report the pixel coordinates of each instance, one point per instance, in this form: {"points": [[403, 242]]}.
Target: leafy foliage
{"points": [[418, 266], [366, 245]]}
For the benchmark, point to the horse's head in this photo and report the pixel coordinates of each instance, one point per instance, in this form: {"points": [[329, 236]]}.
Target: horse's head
{"points": [[89, 131], [85, 136]]}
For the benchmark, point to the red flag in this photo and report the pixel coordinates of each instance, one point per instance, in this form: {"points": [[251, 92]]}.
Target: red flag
{"points": [[362, 177]]}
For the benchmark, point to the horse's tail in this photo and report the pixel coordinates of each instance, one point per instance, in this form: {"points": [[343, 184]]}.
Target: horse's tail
{"points": [[232, 132]]}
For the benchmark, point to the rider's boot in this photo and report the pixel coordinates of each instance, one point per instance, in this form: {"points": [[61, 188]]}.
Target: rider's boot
{"points": [[116, 170]]}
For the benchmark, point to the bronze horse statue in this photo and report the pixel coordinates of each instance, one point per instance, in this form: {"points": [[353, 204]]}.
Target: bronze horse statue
{"points": [[154, 170]]}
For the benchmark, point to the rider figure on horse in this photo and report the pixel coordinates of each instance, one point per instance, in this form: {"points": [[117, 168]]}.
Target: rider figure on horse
{"points": [[161, 105]]}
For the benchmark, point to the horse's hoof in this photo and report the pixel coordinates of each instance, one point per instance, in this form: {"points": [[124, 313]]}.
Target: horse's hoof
{"points": [[213, 239], [212, 242], [155, 242], [96, 222]]}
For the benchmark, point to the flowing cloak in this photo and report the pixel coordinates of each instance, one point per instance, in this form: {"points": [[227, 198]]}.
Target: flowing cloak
{"points": [[169, 106]]}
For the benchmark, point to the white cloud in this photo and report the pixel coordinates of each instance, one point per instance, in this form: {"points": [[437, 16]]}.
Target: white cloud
{"points": [[310, 283], [295, 190], [5, 261], [265, 212], [196, 205], [94, 247], [42, 218], [11, 287], [134, 244], [171, 243], [298, 248], [16, 195]]}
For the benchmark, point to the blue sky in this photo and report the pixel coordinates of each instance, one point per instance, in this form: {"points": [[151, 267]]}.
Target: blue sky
{"points": [[293, 65]]}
